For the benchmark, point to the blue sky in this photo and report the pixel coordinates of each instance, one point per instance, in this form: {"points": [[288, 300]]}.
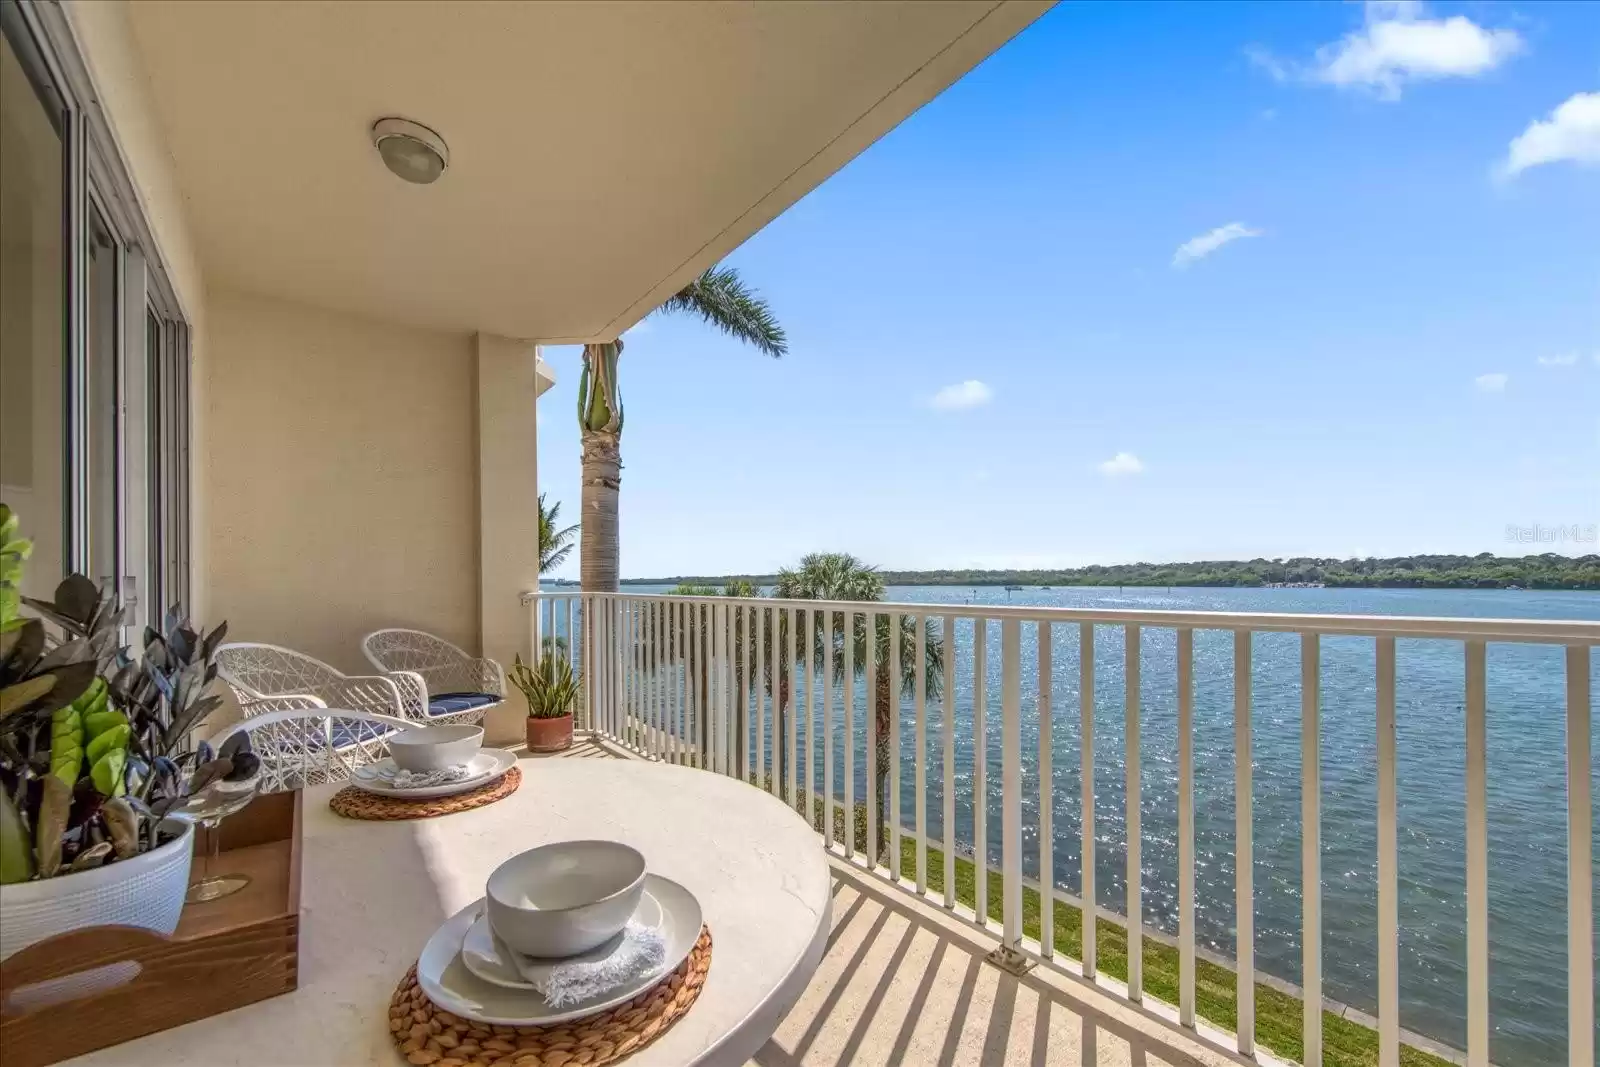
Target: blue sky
{"points": [[1159, 282]]}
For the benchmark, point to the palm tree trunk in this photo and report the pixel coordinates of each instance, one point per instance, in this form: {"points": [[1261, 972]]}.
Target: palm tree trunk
{"points": [[602, 478], [780, 731], [600, 424], [741, 686], [881, 763]]}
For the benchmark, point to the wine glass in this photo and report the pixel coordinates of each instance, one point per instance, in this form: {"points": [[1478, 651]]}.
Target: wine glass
{"points": [[209, 807]]}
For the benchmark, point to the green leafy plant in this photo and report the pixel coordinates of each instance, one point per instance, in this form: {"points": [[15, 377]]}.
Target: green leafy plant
{"points": [[550, 686], [555, 543], [91, 740]]}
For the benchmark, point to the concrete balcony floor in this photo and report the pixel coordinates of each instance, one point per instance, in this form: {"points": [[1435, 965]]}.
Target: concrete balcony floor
{"points": [[905, 983], [902, 982]]}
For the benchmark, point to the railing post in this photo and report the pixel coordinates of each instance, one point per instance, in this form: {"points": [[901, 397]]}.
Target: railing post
{"points": [[1311, 845], [827, 727], [895, 652], [1047, 802], [920, 706], [805, 661], [1388, 864], [1244, 846], [872, 739], [619, 710], [1186, 939], [849, 709], [1008, 956], [586, 664], [1477, 855], [719, 635], [535, 627], [759, 643], [980, 769], [1131, 778], [948, 760], [1580, 861], [792, 676], [1086, 772]]}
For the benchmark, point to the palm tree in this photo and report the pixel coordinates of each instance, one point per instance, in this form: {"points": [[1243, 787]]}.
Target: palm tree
{"points": [[840, 576], [554, 545], [721, 299]]}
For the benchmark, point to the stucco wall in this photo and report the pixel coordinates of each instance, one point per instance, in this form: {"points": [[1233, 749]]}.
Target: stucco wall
{"points": [[341, 478]]}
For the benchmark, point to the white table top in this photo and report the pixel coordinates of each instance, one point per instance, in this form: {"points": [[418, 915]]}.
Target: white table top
{"points": [[373, 892]]}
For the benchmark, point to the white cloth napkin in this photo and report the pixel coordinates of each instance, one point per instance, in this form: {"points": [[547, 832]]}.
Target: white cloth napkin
{"points": [[640, 954], [402, 779]]}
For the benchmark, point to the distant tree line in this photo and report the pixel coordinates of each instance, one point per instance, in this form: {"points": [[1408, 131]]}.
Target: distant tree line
{"points": [[1483, 571]]}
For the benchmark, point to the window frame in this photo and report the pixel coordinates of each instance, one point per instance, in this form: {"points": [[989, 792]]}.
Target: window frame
{"points": [[152, 465]]}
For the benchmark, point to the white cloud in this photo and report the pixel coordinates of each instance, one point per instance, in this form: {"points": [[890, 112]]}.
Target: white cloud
{"points": [[1491, 383], [1398, 43], [1122, 465], [1570, 134], [1277, 69], [968, 394], [1197, 248], [1565, 359]]}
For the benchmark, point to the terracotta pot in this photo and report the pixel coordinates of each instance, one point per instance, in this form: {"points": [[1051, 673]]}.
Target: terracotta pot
{"points": [[550, 735]]}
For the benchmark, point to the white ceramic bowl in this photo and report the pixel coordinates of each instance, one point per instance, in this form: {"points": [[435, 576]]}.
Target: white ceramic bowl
{"points": [[433, 748], [566, 898]]}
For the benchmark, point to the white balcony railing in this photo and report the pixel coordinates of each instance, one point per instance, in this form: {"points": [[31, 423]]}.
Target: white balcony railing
{"points": [[712, 682]]}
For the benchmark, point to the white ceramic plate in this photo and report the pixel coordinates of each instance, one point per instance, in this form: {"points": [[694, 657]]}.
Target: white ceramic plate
{"points": [[491, 959], [487, 766], [443, 975]]}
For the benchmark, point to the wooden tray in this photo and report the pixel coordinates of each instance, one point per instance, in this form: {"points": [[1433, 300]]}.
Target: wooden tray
{"points": [[225, 954]]}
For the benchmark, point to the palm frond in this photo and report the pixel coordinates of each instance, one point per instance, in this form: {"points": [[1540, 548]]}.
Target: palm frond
{"points": [[554, 545], [720, 298]]}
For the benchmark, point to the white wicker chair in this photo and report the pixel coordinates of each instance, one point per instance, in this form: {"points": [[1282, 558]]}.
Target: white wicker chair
{"points": [[454, 683], [311, 747], [269, 678]]}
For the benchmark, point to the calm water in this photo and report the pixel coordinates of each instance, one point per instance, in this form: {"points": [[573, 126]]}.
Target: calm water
{"points": [[1526, 790]]}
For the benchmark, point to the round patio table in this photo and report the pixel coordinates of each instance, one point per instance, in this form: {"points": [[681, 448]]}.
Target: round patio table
{"points": [[373, 892]]}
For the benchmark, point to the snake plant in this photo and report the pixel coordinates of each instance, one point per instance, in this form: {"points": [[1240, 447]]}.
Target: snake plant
{"points": [[550, 686]]}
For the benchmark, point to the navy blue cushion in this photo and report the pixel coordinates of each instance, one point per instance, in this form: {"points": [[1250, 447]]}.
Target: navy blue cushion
{"points": [[452, 703], [346, 732]]}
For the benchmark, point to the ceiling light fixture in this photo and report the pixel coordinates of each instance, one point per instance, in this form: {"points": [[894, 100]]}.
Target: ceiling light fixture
{"points": [[410, 150]]}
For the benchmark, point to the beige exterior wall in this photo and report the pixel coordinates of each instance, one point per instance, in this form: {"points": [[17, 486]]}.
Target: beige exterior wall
{"points": [[341, 478], [508, 387]]}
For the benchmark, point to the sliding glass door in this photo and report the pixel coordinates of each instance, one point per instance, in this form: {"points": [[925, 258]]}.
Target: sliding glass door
{"points": [[94, 355], [34, 478]]}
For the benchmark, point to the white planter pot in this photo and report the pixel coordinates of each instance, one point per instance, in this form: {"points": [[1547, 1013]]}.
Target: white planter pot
{"points": [[145, 891]]}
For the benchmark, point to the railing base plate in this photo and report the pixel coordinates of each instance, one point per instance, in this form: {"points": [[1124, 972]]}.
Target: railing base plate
{"points": [[1010, 961]]}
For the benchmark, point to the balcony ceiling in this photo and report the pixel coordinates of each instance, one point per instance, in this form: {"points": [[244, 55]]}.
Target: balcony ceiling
{"points": [[601, 154]]}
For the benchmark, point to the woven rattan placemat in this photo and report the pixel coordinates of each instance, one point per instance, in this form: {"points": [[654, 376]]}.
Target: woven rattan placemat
{"points": [[427, 1034], [355, 803]]}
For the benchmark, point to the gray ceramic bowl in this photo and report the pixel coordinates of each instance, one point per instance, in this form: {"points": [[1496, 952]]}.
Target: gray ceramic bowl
{"points": [[566, 898], [433, 748]]}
